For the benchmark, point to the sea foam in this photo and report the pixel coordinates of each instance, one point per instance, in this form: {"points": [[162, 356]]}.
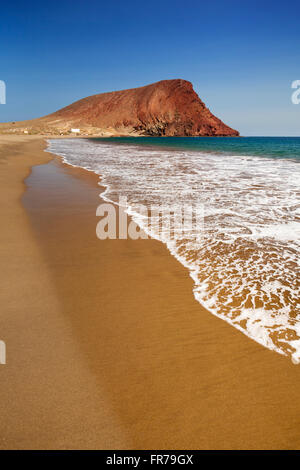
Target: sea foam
{"points": [[245, 266]]}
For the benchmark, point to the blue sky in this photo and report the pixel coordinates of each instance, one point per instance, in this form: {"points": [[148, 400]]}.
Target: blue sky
{"points": [[240, 56]]}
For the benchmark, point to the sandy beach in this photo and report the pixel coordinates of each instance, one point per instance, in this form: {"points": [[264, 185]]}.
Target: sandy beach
{"points": [[106, 346]]}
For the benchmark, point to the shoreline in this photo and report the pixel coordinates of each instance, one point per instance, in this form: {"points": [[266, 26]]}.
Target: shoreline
{"points": [[113, 350], [254, 331]]}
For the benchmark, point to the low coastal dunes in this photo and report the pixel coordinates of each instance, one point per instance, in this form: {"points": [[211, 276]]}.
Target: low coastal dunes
{"points": [[106, 345]]}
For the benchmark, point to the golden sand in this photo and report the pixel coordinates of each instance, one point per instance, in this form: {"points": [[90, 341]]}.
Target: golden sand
{"points": [[106, 346]]}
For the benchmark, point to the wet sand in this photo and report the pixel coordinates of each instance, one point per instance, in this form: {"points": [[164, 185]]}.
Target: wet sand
{"points": [[106, 345]]}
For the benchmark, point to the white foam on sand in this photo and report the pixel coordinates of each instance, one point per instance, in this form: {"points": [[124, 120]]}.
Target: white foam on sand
{"points": [[245, 263]]}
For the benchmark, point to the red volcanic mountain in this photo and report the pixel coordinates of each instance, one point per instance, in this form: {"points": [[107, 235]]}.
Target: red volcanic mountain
{"points": [[165, 108]]}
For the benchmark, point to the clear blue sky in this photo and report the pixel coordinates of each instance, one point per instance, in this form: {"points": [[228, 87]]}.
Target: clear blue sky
{"points": [[241, 56]]}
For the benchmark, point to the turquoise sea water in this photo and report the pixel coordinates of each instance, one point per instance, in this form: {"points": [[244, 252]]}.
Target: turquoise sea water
{"points": [[276, 147], [243, 256]]}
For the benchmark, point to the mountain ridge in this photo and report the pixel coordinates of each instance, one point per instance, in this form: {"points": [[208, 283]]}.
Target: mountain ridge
{"points": [[164, 108]]}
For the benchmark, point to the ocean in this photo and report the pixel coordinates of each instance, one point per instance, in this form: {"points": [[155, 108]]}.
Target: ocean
{"points": [[245, 264]]}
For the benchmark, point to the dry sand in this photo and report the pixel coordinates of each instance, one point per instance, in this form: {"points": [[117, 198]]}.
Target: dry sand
{"points": [[106, 346]]}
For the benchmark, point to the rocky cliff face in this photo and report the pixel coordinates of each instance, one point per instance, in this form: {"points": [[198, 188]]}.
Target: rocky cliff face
{"points": [[165, 108]]}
